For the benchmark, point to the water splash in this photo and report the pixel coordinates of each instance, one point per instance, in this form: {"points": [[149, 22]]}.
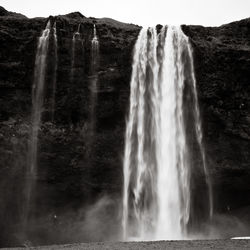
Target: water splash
{"points": [[54, 72], [37, 106], [157, 196]]}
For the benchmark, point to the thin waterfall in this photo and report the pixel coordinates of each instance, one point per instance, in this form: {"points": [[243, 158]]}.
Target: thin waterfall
{"points": [[198, 127], [54, 72], [157, 167], [37, 107], [77, 34], [76, 37], [94, 78], [72, 59]]}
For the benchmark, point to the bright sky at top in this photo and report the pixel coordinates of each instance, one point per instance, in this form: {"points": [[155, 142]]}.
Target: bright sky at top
{"points": [[141, 12]]}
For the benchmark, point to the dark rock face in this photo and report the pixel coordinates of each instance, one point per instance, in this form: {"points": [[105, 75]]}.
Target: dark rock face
{"points": [[74, 171], [70, 176], [222, 61]]}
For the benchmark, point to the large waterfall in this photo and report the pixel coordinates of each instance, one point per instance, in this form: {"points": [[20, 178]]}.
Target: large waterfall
{"points": [[37, 106], [157, 197]]}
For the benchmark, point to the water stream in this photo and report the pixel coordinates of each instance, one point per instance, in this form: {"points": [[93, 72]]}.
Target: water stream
{"points": [[94, 79], [157, 167], [54, 72], [37, 108]]}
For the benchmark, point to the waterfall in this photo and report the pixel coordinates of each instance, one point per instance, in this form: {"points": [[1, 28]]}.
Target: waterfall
{"points": [[76, 37], [94, 78], [54, 72], [94, 51], [157, 168], [37, 106]]}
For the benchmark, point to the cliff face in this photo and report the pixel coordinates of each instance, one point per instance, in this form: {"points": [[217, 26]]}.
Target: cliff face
{"points": [[77, 168], [222, 61]]}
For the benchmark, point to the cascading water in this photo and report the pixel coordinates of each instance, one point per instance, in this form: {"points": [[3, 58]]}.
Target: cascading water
{"points": [[94, 77], [76, 37], [94, 52], [157, 169], [37, 106], [54, 72]]}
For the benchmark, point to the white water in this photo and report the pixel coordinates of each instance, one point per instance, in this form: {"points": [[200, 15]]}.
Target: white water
{"points": [[38, 92], [94, 79], [157, 196], [94, 58], [37, 106], [54, 72], [76, 37]]}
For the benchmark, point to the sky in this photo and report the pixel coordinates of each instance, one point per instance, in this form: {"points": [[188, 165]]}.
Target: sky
{"points": [[141, 12]]}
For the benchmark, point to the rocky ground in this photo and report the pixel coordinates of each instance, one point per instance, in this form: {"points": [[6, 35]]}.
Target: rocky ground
{"points": [[171, 245], [79, 179]]}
